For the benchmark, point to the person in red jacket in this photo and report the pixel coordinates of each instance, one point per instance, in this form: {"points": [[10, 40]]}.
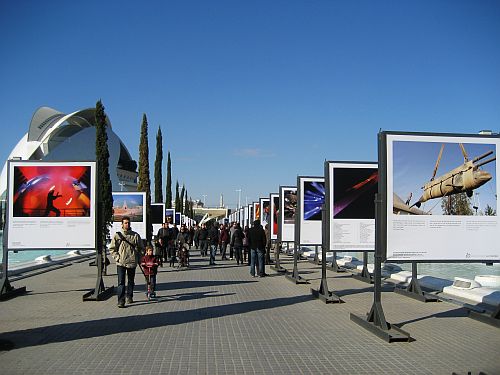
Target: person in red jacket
{"points": [[149, 265]]}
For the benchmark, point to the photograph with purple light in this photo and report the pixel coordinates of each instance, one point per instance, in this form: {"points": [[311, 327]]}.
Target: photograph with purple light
{"points": [[311, 198]]}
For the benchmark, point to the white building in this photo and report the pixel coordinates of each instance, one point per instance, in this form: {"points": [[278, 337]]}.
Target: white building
{"points": [[55, 136]]}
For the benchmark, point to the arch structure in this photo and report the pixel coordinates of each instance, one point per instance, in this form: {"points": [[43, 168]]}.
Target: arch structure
{"points": [[55, 136]]}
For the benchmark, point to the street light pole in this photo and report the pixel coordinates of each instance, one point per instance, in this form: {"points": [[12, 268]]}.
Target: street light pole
{"points": [[239, 198], [204, 198]]}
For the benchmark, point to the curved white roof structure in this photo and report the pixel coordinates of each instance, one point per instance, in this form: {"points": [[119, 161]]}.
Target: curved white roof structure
{"points": [[55, 136]]}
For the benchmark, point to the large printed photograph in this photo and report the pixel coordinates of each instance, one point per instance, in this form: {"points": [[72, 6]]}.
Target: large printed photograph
{"points": [[52, 191], [169, 215], [157, 213], [444, 178], [128, 204], [289, 205], [256, 210], [265, 211], [314, 198], [354, 192], [250, 215], [275, 211]]}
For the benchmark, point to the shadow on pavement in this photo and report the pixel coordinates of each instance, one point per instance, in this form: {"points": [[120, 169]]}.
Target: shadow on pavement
{"points": [[456, 313], [182, 297], [61, 291], [104, 327], [177, 285]]}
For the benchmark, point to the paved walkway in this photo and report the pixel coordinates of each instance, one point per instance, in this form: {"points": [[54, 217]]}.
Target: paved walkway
{"points": [[219, 320]]}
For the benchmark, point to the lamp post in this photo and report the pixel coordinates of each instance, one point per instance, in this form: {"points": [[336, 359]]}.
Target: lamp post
{"points": [[239, 198], [204, 198]]}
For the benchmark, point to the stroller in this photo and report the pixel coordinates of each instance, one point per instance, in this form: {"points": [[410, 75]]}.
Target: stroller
{"points": [[183, 255], [171, 253]]}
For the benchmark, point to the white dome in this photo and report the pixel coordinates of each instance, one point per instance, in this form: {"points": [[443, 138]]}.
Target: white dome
{"points": [[54, 136]]}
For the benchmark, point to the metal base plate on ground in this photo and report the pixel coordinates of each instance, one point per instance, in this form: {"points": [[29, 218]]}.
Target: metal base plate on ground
{"points": [[336, 269], [296, 280], [424, 297], [104, 295], [364, 279], [393, 334], [278, 269], [330, 298], [12, 293]]}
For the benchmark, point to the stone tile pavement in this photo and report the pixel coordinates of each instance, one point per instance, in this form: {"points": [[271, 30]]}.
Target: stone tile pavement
{"points": [[220, 320]]}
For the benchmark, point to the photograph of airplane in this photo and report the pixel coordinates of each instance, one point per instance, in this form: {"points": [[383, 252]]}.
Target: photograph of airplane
{"points": [[426, 172]]}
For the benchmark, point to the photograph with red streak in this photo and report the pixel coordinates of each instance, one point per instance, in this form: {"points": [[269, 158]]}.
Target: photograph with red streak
{"points": [[257, 211], [354, 192], [276, 212], [52, 191]]}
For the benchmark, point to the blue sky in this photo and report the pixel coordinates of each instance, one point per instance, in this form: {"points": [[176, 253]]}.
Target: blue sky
{"points": [[131, 200], [250, 94]]}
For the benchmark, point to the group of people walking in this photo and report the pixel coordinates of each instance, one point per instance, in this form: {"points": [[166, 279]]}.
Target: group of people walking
{"points": [[246, 246]]}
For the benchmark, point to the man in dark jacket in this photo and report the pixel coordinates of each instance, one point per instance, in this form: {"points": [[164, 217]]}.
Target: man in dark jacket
{"points": [[196, 231], [202, 238], [257, 245], [162, 237], [237, 243], [223, 240], [213, 239]]}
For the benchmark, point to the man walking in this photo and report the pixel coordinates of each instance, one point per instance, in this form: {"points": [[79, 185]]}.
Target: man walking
{"points": [[223, 240], [213, 239], [237, 243], [163, 237], [126, 248], [257, 245], [202, 238], [231, 232]]}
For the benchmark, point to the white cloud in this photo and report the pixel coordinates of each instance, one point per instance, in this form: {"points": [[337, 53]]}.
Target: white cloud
{"points": [[253, 153]]}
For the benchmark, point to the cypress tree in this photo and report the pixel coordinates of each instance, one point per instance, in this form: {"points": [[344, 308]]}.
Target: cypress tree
{"points": [[104, 187], [186, 204], [144, 181], [177, 198], [158, 164], [183, 192], [168, 194]]}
